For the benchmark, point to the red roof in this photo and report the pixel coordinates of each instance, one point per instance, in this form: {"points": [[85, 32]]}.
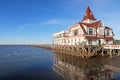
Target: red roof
{"points": [[88, 14], [95, 24], [91, 37], [109, 38]]}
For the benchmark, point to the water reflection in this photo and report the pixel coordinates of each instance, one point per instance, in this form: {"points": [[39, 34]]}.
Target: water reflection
{"points": [[73, 68]]}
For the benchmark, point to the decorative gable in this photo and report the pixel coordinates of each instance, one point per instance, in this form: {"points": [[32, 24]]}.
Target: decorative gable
{"points": [[94, 24]]}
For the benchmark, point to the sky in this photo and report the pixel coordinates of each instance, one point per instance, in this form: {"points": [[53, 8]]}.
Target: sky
{"points": [[34, 21]]}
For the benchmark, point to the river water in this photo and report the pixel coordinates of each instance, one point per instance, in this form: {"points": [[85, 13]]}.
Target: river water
{"points": [[18, 62]]}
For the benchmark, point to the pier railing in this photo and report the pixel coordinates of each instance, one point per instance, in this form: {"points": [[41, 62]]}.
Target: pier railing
{"points": [[111, 47], [112, 50]]}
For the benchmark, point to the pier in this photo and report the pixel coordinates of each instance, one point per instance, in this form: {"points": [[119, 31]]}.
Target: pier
{"points": [[84, 51]]}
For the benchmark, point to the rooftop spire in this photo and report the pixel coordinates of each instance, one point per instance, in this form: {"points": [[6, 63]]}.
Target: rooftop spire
{"points": [[88, 14]]}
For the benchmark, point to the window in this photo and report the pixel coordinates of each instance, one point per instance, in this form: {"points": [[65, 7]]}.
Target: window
{"points": [[75, 32], [75, 41], [107, 33], [79, 39], [90, 42], [68, 41], [90, 31], [107, 41]]}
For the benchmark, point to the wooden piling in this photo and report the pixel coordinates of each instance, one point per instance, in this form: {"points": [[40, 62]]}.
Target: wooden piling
{"points": [[118, 52], [102, 52], [110, 53]]}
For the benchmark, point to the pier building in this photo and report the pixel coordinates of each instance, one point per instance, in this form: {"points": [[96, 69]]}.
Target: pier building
{"points": [[89, 31]]}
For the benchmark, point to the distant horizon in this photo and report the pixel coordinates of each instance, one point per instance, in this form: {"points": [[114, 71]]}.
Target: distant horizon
{"points": [[29, 44], [34, 21]]}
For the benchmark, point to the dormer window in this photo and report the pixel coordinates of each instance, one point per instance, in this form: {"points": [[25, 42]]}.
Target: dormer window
{"points": [[90, 31], [75, 32], [107, 33]]}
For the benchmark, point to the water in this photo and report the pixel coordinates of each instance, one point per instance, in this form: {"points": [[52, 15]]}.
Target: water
{"points": [[95, 68], [26, 63], [32, 63]]}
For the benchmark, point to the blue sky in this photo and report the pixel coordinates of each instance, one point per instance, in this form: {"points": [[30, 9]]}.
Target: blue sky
{"points": [[34, 21]]}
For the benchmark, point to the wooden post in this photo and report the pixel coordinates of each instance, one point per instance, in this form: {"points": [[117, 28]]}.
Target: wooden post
{"points": [[118, 53], [110, 53], [102, 51]]}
